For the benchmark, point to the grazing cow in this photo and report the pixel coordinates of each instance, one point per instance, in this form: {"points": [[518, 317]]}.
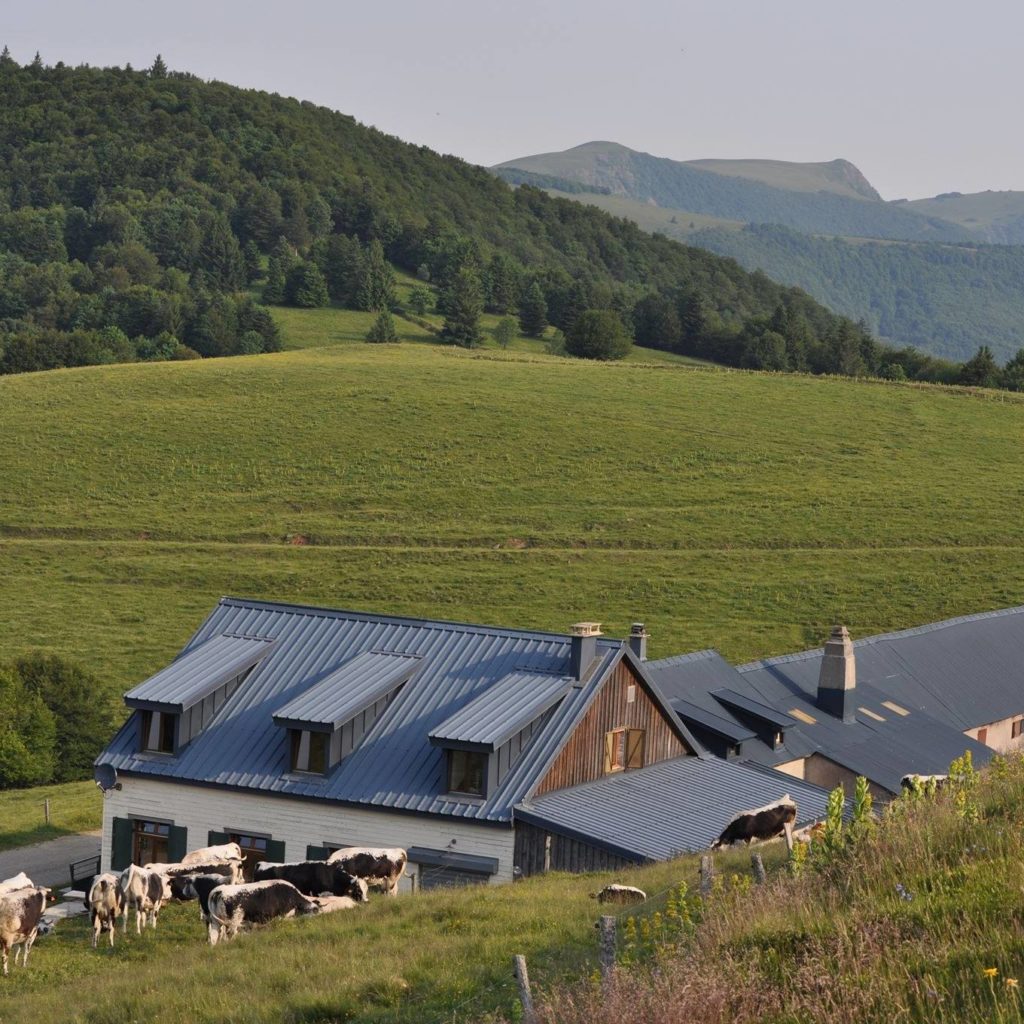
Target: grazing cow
{"points": [[231, 906], [147, 892], [104, 902], [199, 887], [616, 893], [915, 783], [314, 878], [329, 904], [18, 881], [761, 823], [382, 868], [213, 854], [178, 874], [21, 913]]}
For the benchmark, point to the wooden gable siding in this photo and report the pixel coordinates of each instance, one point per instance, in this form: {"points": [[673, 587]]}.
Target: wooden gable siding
{"points": [[582, 757]]}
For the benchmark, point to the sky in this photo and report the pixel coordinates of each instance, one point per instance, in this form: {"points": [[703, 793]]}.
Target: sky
{"points": [[924, 97]]}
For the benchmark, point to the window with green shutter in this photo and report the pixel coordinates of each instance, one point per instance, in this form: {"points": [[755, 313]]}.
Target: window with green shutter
{"points": [[317, 852], [120, 844], [177, 843]]}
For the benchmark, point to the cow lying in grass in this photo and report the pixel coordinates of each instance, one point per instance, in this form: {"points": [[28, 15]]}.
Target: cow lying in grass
{"points": [[760, 824], [616, 893]]}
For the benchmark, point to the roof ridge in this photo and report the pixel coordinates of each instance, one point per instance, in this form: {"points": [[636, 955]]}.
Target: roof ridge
{"points": [[344, 613], [681, 659]]}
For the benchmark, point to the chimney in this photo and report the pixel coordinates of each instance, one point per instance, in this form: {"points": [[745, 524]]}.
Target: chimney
{"points": [[583, 647], [837, 679], [638, 640]]}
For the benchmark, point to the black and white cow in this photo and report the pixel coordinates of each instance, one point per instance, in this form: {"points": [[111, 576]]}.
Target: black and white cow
{"points": [[199, 887], [915, 783], [761, 823], [329, 904], [146, 891], [380, 867], [232, 906], [229, 871], [314, 878], [213, 854], [21, 913], [104, 898]]}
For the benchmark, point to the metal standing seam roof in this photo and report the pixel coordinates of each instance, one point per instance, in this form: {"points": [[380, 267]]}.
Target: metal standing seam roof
{"points": [[755, 708], [395, 766], [728, 728], [350, 689], [667, 808], [502, 710], [199, 671]]}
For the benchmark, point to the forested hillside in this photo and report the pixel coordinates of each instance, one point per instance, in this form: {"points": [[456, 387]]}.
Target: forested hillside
{"points": [[137, 206], [992, 216]]}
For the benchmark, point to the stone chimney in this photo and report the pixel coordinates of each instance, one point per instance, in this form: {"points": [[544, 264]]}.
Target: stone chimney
{"points": [[582, 648], [638, 640], [837, 680]]}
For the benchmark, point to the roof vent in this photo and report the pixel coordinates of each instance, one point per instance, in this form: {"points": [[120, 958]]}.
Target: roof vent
{"points": [[638, 640], [837, 678], [582, 648]]}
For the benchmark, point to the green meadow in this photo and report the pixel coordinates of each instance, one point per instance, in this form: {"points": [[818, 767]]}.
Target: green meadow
{"points": [[725, 509]]}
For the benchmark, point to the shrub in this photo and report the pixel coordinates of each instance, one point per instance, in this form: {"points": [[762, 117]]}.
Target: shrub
{"points": [[383, 328], [598, 334], [505, 331]]}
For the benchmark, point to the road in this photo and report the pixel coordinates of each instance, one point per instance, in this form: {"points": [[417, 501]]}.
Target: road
{"points": [[47, 863]]}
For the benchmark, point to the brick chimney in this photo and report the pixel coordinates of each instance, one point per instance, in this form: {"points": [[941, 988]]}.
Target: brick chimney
{"points": [[638, 640], [582, 647], [837, 680]]}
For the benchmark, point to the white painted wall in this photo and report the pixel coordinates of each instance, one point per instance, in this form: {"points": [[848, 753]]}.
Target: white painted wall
{"points": [[298, 822]]}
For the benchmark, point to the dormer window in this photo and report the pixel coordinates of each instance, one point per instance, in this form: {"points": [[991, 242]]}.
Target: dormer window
{"points": [[467, 772], [158, 732], [310, 751]]}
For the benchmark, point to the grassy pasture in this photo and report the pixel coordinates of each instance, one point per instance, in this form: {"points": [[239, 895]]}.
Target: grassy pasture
{"points": [[74, 807], [725, 509]]}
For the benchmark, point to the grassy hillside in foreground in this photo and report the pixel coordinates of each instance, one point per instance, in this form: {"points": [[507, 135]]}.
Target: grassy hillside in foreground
{"points": [[732, 510]]}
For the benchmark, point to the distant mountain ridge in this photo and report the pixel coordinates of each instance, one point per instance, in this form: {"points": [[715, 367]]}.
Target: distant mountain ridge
{"points": [[839, 176]]}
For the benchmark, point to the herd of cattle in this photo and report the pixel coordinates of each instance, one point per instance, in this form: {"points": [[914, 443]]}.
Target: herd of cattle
{"points": [[213, 877]]}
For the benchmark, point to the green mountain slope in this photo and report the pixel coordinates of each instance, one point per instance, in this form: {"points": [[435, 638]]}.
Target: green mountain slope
{"points": [[737, 195], [993, 216], [838, 176]]}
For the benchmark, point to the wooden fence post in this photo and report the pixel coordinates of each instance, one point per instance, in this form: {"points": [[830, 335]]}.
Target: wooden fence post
{"points": [[525, 995], [707, 874], [607, 927], [758, 865], [46, 810]]}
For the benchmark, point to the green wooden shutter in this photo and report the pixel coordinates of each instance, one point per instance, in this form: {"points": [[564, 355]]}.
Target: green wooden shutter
{"points": [[177, 843], [275, 851], [120, 844], [317, 852], [216, 838]]}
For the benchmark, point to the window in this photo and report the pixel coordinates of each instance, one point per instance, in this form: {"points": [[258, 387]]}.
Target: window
{"points": [[623, 748], [149, 842], [467, 772], [1017, 728], [158, 729], [983, 735], [309, 751], [254, 849]]}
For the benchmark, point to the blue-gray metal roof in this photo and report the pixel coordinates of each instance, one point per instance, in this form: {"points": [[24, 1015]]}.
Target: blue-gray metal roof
{"points": [[349, 690], [199, 671], [501, 711], [668, 808], [395, 765], [754, 708], [727, 727]]}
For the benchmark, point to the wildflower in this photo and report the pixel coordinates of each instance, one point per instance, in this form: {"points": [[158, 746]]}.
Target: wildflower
{"points": [[903, 893], [1011, 982], [991, 972]]}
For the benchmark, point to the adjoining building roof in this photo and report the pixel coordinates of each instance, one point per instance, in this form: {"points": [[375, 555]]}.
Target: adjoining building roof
{"points": [[668, 808], [199, 672], [395, 765], [350, 689], [734, 701], [727, 727], [501, 711]]}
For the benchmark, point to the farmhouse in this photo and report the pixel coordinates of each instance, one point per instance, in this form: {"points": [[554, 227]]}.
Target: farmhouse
{"points": [[883, 707], [486, 753]]}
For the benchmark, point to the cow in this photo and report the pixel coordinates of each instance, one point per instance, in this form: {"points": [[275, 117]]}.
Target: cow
{"points": [[812, 833], [18, 881], [178, 874], [382, 868], [199, 887], [616, 893], [329, 904], [147, 892], [213, 854], [104, 900], [759, 824], [915, 783], [21, 913], [314, 878], [231, 906]]}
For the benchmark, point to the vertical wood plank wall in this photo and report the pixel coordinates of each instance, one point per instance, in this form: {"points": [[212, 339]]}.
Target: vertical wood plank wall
{"points": [[537, 851], [582, 758]]}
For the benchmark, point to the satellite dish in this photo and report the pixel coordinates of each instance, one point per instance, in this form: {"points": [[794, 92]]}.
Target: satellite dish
{"points": [[106, 777]]}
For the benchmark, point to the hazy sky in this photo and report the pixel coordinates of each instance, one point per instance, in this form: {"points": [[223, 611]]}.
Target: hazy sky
{"points": [[924, 97]]}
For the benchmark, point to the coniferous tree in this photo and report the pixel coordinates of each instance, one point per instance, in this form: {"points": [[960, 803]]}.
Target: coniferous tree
{"points": [[464, 302], [6, 60], [980, 370], [159, 68], [305, 286], [419, 301], [533, 312], [253, 263], [1012, 377], [281, 261], [598, 334], [383, 328], [377, 288], [656, 323]]}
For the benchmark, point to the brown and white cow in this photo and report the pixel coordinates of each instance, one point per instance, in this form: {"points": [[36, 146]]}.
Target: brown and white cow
{"points": [[104, 902], [314, 878], [179, 875], [380, 867], [147, 892], [616, 893], [761, 823], [329, 904], [18, 881], [232, 906], [21, 913], [213, 854]]}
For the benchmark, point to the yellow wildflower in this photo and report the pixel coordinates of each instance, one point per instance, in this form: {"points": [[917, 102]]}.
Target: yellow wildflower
{"points": [[1011, 982], [991, 972]]}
